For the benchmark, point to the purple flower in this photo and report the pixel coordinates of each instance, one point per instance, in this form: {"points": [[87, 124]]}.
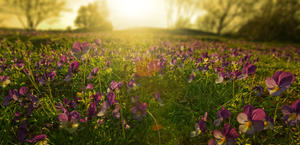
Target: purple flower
{"points": [[62, 61], [131, 83], [12, 94], [222, 115], [4, 81], [251, 120], [227, 136], [92, 110], [111, 98], [22, 132], [80, 49], [116, 112], [192, 76], [23, 91], [280, 82], [200, 126], [93, 73], [115, 85], [291, 114], [37, 138], [74, 66], [98, 42], [139, 110], [258, 90], [89, 86], [105, 106], [97, 97]]}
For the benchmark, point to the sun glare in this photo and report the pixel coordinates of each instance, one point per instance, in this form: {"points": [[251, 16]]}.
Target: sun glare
{"points": [[134, 8]]}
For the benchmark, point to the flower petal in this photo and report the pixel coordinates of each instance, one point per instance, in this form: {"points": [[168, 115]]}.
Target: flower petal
{"points": [[286, 110], [242, 118], [218, 134], [258, 114], [285, 78], [271, 84], [258, 125]]}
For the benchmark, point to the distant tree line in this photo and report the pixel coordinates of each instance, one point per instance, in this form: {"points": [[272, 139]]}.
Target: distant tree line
{"points": [[253, 19], [31, 13]]}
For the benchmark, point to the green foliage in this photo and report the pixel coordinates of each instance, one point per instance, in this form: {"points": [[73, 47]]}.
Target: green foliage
{"points": [[276, 20], [93, 17], [31, 13]]}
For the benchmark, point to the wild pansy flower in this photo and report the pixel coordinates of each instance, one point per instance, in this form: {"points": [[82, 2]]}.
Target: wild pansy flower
{"points": [[248, 69], [126, 126], [139, 110], [221, 76], [226, 137], [62, 60], [70, 120], [200, 126], [192, 76], [115, 85], [23, 90], [98, 42], [259, 90], [37, 138], [116, 112], [111, 98], [280, 82], [291, 114], [92, 110], [93, 73], [12, 94], [105, 106], [251, 120], [80, 49], [72, 69], [4, 81], [89, 87], [222, 115]]}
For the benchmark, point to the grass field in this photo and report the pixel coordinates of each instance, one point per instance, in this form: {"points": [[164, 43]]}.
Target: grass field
{"points": [[81, 88]]}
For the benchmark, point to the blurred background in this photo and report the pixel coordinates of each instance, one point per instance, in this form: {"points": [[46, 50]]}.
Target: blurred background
{"points": [[264, 20]]}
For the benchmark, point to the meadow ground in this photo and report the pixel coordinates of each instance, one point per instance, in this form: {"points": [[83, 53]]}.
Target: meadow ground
{"points": [[82, 88]]}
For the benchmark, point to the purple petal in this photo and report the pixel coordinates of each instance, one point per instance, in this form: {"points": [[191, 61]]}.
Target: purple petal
{"points": [[285, 78], [248, 110], [212, 142], [37, 138], [276, 76], [226, 129], [233, 133], [296, 106], [258, 114], [23, 91], [258, 125]]}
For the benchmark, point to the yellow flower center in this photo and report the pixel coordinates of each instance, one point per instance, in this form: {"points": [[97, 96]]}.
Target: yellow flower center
{"points": [[293, 116], [265, 123], [223, 140], [276, 88], [249, 124]]}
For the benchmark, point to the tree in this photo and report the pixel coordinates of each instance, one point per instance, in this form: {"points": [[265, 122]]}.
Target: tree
{"points": [[221, 14], [94, 16], [180, 12], [31, 13], [274, 20]]}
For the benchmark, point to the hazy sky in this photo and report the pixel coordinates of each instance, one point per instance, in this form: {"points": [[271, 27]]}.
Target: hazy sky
{"points": [[123, 14]]}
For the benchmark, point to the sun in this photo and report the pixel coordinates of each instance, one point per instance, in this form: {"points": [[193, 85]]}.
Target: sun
{"points": [[134, 9]]}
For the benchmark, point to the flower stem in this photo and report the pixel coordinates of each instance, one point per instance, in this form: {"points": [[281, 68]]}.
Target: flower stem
{"points": [[156, 125]]}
